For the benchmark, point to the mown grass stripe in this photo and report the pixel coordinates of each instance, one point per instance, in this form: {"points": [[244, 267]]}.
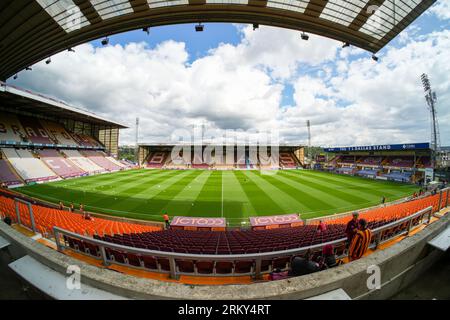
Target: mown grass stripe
{"points": [[209, 201], [234, 193], [112, 194], [306, 195], [260, 200], [146, 199], [339, 197], [281, 196]]}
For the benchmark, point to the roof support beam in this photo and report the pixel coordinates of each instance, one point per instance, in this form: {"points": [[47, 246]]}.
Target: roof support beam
{"points": [[315, 8], [139, 5], [257, 3], [88, 11], [197, 2], [365, 14]]}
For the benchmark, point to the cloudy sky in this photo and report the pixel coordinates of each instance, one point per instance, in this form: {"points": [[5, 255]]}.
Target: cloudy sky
{"points": [[231, 77]]}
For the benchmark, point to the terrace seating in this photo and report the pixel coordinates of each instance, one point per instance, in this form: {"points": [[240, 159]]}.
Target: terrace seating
{"points": [[46, 218], [7, 175], [345, 170], [254, 241], [367, 173], [287, 160], [86, 141], [35, 131], [100, 160], [157, 160], [372, 161], [59, 134], [399, 162], [399, 176], [346, 159], [61, 166], [31, 169], [82, 162], [11, 129]]}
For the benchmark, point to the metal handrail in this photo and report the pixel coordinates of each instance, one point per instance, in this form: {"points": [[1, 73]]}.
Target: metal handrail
{"points": [[257, 257]]}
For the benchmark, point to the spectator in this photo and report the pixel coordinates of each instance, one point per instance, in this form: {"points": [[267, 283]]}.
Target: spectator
{"points": [[352, 228], [166, 220], [329, 259], [301, 266], [7, 220], [383, 200], [360, 242], [322, 227], [61, 206], [277, 274], [71, 208]]}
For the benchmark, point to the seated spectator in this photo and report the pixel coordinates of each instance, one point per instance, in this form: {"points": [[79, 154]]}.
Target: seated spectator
{"points": [[61, 205], [7, 220], [301, 266], [328, 259], [277, 274]]}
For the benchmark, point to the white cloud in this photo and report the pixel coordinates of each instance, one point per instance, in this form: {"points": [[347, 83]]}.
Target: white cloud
{"points": [[348, 98], [441, 9]]}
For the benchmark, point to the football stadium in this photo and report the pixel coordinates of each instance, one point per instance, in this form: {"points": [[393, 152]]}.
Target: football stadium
{"points": [[199, 218]]}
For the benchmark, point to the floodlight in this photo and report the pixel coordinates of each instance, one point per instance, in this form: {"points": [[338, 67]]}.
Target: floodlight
{"points": [[199, 28]]}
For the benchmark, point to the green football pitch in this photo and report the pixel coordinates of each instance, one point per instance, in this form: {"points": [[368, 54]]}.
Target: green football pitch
{"points": [[236, 195]]}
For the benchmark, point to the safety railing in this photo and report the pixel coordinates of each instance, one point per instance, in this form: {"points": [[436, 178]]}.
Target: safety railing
{"points": [[380, 235]]}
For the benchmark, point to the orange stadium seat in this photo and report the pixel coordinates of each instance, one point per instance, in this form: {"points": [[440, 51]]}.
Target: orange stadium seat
{"points": [[46, 218]]}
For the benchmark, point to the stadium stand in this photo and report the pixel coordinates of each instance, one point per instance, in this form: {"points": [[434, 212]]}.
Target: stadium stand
{"points": [[371, 161], [254, 241], [346, 160], [157, 159], [11, 130], [367, 173], [100, 160], [30, 168], [82, 162], [59, 134], [344, 170], [7, 173], [85, 141], [120, 164], [61, 166], [399, 162], [46, 218], [35, 131], [399, 176], [287, 160]]}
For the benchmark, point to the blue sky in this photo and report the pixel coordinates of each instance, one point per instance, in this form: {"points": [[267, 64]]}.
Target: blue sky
{"points": [[231, 77]]}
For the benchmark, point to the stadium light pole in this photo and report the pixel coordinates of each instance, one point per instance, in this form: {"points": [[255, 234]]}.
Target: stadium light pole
{"points": [[136, 151], [308, 124], [431, 98]]}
